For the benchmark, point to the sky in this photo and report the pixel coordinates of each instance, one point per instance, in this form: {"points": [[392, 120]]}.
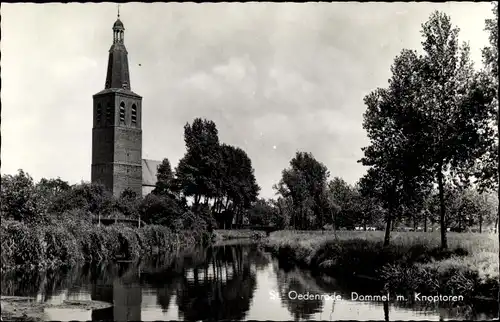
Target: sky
{"points": [[276, 78]]}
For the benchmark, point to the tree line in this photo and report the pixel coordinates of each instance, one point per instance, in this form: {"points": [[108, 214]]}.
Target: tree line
{"points": [[433, 146], [218, 178]]}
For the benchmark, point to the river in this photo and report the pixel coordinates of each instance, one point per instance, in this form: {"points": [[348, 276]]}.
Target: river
{"points": [[235, 282]]}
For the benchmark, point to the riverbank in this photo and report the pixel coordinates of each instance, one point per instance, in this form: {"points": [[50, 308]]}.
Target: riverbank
{"points": [[237, 234], [75, 242], [18, 308], [412, 263]]}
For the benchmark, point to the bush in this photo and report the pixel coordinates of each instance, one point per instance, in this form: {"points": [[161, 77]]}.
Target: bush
{"points": [[160, 210], [61, 247], [21, 245], [128, 244]]}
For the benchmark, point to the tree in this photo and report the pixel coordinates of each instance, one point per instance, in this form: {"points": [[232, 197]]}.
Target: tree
{"points": [[90, 197], [304, 182], [284, 211], [490, 171], [341, 198], [454, 106], [395, 154], [370, 211], [49, 190], [490, 56], [20, 200], [262, 213], [165, 179], [235, 185], [218, 173], [195, 173], [128, 204]]}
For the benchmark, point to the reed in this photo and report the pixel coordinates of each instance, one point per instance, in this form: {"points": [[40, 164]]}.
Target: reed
{"points": [[66, 243]]}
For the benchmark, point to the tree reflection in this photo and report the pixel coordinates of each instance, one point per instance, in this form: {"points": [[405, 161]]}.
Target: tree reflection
{"points": [[290, 285], [220, 289]]}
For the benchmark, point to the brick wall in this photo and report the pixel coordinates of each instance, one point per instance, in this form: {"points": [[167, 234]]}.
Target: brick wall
{"points": [[127, 175], [117, 144]]}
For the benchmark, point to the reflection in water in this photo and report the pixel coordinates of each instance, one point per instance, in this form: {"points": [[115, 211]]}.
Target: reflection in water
{"points": [[220, 288], [219, 283], [290, 286]]}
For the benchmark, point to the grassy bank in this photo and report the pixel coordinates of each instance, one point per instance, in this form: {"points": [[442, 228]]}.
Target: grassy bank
{"points": [[414, 261], [228, 234], [70, 243]]}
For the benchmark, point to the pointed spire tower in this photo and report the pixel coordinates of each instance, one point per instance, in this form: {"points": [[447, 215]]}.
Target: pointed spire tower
{"points": [[118, 75], [117, 133]]}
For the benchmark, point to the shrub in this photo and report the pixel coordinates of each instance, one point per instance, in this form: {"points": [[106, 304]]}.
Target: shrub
{"points": [[160, 210], [21, 245], [61, 247], [158, 237], [128, 243]]}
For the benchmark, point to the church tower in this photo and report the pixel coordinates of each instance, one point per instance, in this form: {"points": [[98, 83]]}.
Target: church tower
{"points": [[116, 132]]}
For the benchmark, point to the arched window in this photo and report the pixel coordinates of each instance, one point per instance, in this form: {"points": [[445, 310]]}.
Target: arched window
{"points": [[108, 114], [122, 112], [134, 114], [98, 114]]}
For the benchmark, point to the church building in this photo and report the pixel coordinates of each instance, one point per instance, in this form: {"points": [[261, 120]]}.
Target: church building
{"points": [[117, 128]]}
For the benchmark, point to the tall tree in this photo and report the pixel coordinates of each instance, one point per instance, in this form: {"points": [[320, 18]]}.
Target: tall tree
{"points": [[165, 179], [342, 201], [490, 172], [305, 183], [284, 209], [235, 184], [396, 152], [454, 106], [490, 56], [195, 173]]}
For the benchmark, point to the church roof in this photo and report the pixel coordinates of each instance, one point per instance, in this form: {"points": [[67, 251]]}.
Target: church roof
{"points": [[149, 170]]}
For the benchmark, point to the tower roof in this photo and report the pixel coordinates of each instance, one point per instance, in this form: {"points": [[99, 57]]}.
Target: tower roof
{"points": [[118, 72], [118, 24]]}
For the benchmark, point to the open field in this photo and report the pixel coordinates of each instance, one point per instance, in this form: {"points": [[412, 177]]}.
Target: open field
{"points": [[412, 262]]}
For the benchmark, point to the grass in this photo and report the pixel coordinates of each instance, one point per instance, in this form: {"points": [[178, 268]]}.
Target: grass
{"points": [[228, 234], [413, 261], [67, 243]]}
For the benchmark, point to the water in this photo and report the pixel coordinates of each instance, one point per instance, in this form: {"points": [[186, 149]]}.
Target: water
{"points": [[238, 282]]}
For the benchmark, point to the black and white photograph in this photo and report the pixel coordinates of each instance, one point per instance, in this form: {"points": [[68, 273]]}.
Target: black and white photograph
{"points": [[265, 161]]}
